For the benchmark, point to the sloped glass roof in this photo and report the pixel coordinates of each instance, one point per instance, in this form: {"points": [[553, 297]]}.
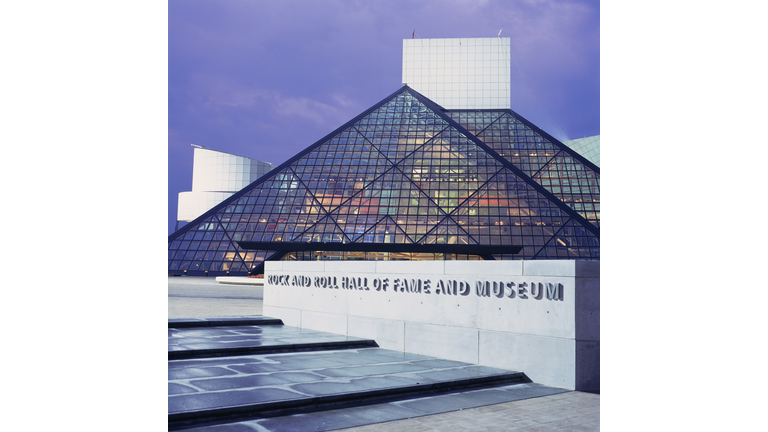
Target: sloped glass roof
{"points": [[405, 171], [567, 174]]}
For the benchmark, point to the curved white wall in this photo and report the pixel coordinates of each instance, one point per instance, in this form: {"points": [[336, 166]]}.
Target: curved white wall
{"points": [[193, 204], [216, 171], [215, 177]]}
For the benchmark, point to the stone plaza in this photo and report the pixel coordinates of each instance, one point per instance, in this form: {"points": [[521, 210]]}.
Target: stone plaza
{"points": [[264, 364]]}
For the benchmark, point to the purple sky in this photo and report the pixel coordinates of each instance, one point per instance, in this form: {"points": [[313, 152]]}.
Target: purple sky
{"points": [[84, 128], [266, 79]]}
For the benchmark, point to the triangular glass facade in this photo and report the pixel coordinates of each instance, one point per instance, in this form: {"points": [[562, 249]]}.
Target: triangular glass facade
{"points": [[408, 172], [561, 170]]}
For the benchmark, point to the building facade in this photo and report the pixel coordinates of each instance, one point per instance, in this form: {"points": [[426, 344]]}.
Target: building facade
{"points": [[460, 73], [216, 176], [407, 179], [589, 147]]}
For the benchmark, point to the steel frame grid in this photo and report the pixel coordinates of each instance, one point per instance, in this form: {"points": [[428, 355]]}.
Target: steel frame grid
{"points": [[508, 164], [437, 110], [553, 161], [536, 129]]}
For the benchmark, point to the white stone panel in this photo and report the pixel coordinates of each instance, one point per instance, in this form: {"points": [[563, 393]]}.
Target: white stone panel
{"points": [[533, 355], [290, 317], [554, 320], [388, 334], [453, 343], [534, 315], [519, 309], [328, 322]]}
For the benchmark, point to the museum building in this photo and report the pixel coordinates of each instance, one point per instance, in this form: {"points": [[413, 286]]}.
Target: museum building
{"points": [[406, 180], [216, 175]]}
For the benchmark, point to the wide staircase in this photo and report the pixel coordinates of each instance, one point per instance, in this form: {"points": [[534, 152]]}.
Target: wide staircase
{"points": [[254, 373]]}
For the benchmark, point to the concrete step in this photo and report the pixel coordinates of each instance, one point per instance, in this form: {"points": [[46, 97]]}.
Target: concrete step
{"points": [[223, 321], [231, 338], [230, 389], [398, 409], [252, 373]]}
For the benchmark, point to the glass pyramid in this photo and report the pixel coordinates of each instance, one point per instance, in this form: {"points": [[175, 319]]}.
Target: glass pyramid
{"points": [[407, 172]]}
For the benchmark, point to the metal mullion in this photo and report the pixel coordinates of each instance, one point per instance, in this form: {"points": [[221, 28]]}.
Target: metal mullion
{"points": [[372, 145], [477, 190], [229, 239], [393, 165], [465, 231], [551, 162], [370, 228], [401, 229], [412, 182], [433, 202], [420, 190], [509, 165], [554, 141], [409, 154], [553, 237], [445, 214], [406, 178], [304, 185], [545, 165], [327, 213], [423, 145], [287, 164], [363, 189], [327, 216], [489, 124], [449, 215]]}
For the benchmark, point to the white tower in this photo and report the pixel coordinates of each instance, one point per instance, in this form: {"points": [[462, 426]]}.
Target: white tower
{"points": [[461, 73], [215, 177]]}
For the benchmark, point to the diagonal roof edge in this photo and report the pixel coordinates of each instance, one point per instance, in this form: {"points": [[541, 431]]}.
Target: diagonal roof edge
{"points": [[573, 153], [539, 188], [270, 175], [440, 111], [557, 142]]}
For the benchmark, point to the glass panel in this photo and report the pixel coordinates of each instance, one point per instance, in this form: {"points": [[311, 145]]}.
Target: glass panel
{"points": [[405, 174]]}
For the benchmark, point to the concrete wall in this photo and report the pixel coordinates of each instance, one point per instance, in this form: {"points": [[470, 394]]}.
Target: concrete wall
{"points": [[538, 317]]}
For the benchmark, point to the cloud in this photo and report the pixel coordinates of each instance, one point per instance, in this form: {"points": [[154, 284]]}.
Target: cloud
{"points": [[268, 78], [226, 95], [313, 110]]}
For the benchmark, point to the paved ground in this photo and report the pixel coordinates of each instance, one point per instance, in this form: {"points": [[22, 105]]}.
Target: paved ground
{"points": [[572, 411], [190, 297]]}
